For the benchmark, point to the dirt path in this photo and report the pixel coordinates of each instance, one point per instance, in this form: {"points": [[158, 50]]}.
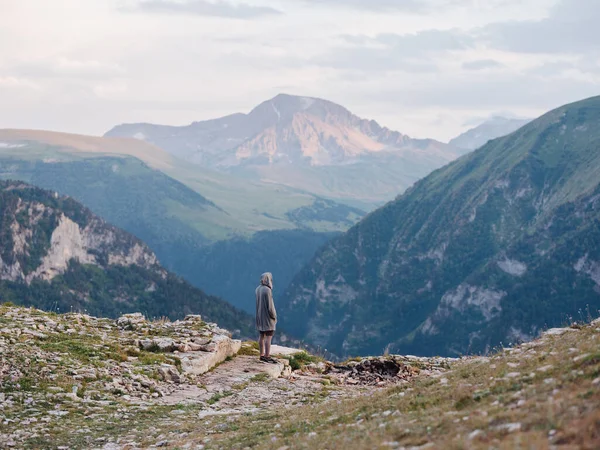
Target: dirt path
{"points": [[246, 385]]}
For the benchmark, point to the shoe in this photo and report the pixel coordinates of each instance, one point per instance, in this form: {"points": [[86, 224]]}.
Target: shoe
{"points": [[264, 359], [272, 360]]}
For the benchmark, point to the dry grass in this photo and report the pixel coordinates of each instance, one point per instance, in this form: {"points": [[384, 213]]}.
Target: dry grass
{"points": [[539, 396]]}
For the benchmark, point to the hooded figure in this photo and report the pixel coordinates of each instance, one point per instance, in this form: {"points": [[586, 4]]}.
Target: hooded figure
{"points": [[266, 316]]}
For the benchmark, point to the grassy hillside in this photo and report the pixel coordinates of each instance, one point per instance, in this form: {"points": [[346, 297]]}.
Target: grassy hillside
{"points": [[489, 249], [245, 205]]}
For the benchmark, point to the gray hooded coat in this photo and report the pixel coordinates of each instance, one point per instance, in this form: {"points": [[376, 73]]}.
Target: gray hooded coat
{"points": [[266, 316]]}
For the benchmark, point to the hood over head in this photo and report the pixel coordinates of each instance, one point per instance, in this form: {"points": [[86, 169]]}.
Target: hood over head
{"points": [[266, 279]]}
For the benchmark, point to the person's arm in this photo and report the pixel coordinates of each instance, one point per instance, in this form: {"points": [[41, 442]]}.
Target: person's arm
{"points": [[272, 311]]}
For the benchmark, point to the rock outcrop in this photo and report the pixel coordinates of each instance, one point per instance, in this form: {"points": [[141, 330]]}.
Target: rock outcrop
{"points": [[46, 238]]}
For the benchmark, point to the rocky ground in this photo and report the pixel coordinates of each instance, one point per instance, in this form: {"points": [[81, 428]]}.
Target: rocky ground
{"points": [[75, 381]]}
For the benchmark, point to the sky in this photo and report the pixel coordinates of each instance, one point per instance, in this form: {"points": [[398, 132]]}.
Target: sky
{"points": [[426, 68]]}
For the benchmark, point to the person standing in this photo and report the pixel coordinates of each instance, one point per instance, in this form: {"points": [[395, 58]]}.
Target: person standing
{"points": [[266, 316]]}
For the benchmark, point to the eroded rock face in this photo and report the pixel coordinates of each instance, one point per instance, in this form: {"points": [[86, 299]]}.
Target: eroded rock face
{"points": [[95, 243]]}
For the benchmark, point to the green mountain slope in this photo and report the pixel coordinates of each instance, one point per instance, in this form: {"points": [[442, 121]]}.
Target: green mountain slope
{"points": [[487, 250], [183, 219], [245, 205], [55, 254]]}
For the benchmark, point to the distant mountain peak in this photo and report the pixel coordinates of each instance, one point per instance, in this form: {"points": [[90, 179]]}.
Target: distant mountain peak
{"points": [[494, 127], [305, 143], [286, 129]]}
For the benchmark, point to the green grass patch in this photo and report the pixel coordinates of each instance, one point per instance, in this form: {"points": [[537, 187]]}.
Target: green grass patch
{"points": [[219, 396], [299, 360]]}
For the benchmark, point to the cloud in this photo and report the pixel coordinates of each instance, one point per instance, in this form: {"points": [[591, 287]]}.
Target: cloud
{"points": [[14, 82], [377, 5], [63, 67], [481, 64], [217, 8], [571, 27], [387, 52]]}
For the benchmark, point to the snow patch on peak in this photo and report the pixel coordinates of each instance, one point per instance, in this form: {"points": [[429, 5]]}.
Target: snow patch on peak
{"points": [[139, 136], [276, 111]]}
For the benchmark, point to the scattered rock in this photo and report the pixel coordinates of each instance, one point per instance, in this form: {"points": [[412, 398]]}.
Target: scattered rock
{"points": [[557, 331], [131, 321], [509, 427], [475, 434]]}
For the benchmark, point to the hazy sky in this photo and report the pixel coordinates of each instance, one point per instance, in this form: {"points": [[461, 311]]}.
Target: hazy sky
{"points": [[428, 68]]}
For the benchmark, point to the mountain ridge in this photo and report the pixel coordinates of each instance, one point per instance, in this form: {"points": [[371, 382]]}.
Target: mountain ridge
{"points": [[495, 127], [465, 245]]}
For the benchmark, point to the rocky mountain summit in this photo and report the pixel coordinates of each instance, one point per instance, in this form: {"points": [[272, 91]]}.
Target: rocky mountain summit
{"points": [[286, 129], [76, 381], [305, 143]]}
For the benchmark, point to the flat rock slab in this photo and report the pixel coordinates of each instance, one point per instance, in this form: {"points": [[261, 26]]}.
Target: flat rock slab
{"points": [[242, 388], [198, 363]]}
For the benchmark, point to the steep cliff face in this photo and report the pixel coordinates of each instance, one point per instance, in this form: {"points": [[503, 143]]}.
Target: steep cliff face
{"points": [[55, 254], [488, 250], [45, 239]]}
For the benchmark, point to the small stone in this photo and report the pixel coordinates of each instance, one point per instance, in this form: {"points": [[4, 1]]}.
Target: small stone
{"points": [[557, 331], [184, 348], [475, 434], [596, 381], [580, 357], [193, 318], [162, 444], [510, 427], [513, 375]]}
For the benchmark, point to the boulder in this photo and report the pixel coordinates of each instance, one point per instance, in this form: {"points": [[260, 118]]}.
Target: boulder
{"points": [[164, 345], [169, 373], [131, 321]]}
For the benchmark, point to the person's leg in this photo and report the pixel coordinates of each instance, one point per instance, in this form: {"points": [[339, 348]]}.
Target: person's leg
{"points": [[261, 343], [268, 338]]}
